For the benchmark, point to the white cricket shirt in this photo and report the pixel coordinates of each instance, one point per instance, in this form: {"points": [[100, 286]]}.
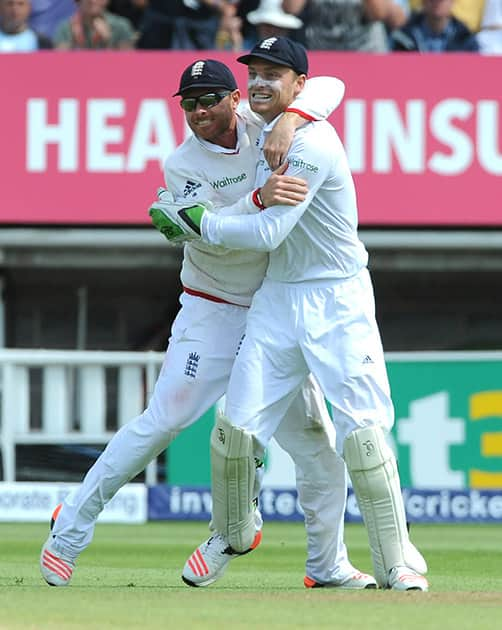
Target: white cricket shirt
{"points": [[316, 240], [201, 171]]}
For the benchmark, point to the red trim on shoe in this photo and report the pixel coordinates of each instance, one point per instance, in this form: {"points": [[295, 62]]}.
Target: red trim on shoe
{"points": [[194, 565], [200, 558], [197, 563], [309, 582], [56, 565], [257, 539]]}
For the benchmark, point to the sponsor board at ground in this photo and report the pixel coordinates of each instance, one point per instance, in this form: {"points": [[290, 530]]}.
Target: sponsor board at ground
{"points": [[434, 134], [35, 502], [281, 504], [469, 506]]}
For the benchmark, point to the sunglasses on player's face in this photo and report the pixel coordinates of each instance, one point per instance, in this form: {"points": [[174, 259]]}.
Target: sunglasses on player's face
{"points": [[206, 101]]}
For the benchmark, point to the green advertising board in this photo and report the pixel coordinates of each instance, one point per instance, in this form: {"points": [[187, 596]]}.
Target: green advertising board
{"points": [[448, 429]]}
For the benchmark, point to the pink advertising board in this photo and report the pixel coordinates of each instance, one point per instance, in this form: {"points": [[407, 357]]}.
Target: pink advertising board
{"points": [[83, 134]]}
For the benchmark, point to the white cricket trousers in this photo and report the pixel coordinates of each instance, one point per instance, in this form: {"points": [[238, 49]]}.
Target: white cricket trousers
{"points": [[201, 352], [324, 328]]}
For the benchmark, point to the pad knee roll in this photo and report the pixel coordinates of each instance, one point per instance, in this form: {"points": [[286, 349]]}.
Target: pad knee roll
{"points": [[233, 477], [375, 479]]}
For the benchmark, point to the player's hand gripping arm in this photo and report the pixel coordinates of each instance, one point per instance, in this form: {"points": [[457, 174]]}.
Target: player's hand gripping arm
{"points": [[180, 222], [282, 190], [266, 231]]}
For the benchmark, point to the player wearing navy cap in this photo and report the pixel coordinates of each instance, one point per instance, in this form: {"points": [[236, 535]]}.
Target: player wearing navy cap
{"points": [[217, 162], [314, 313]]}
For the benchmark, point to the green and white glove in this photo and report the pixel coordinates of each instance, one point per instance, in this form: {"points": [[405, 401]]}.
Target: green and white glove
{"points": [[177, 221]]}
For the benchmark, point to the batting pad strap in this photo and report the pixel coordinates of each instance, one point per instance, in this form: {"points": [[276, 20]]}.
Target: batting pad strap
{"points": [[233, 476], [373, 470]]}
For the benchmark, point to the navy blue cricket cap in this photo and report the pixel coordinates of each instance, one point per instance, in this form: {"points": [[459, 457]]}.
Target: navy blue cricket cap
{"points": [[206, 73], [280, 50]]}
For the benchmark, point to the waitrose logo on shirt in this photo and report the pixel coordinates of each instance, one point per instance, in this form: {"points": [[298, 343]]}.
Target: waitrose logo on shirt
{"points": [[228, 181], [298, 163]]}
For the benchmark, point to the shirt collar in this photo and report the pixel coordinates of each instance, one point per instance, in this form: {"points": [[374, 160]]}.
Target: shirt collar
{"points": [[269, 126], [216, 148]]}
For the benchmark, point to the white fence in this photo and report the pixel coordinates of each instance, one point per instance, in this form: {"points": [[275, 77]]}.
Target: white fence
{"points": [[64, 397]]}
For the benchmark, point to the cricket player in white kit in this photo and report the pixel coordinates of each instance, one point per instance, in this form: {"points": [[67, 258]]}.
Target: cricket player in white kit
{"points": [[314, 313], [218, 163]]}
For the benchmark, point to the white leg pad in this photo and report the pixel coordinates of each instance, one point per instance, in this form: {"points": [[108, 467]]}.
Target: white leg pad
{"points": [[375, 479], [233, 478]]}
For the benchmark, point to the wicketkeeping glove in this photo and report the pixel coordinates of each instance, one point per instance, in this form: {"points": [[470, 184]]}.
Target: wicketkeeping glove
{"points": [[177, 221]]}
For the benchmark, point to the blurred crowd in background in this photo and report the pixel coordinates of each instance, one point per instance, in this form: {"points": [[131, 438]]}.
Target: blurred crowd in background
{"points": [[355, 25]]}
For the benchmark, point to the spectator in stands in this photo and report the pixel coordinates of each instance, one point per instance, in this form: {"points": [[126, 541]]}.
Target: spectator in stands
{"points": [[46, 15], [133, 10], [93, 27], [434, 29], [15, 33], [347, 24], [267, 19], [398, 14], [229, 33], [182, 24], [248, 30], [469, 12], [490, 35], [271, 21], [397, 18]]}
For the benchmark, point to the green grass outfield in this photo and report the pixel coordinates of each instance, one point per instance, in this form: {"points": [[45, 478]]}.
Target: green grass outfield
{"points": [[130, 578]]}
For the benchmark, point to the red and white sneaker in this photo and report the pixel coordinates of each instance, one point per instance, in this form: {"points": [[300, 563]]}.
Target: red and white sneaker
{"points": [[209, 561], [56, 566], [405, 579], [356, 581]]}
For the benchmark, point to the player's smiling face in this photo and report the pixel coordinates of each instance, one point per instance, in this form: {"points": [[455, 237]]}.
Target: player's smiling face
{"points": [[217, 123], [271, 87]]}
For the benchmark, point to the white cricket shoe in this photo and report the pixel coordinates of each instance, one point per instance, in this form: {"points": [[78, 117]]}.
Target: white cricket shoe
{"points": [[405, 579], [355, 581], [56, 567], [210, 560]]}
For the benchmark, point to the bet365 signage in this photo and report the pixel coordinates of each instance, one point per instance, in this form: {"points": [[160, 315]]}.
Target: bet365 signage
{"points": [[448, 429]]}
